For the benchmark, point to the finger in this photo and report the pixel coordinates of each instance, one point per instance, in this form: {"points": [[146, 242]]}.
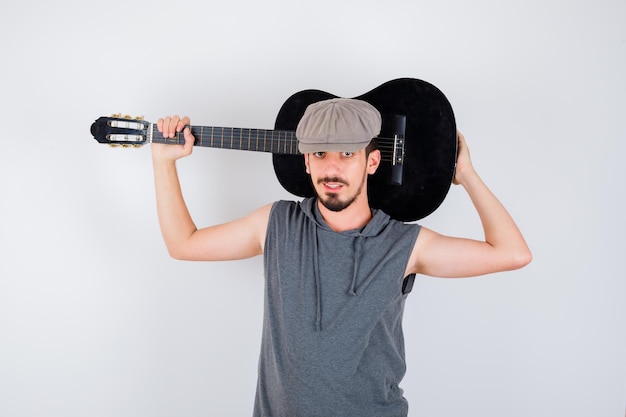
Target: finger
{"points": [[165, 126], [189, 139], [173, 125], [160, 124], [185, 121]]}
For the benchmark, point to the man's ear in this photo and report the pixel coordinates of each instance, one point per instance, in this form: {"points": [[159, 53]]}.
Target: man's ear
{"points": [[306, 163], [373, 161]]}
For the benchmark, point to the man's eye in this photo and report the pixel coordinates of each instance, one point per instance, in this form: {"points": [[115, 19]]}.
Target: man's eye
{"points": [[348, 154], [319, 154]]}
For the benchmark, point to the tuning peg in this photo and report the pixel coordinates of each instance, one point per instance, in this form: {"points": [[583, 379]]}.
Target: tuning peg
{"points": [[116, 115], [114, 145], [140, 118]]}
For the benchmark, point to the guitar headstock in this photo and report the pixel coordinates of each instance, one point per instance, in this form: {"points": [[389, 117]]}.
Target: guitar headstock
{"points": [[119, 130]]}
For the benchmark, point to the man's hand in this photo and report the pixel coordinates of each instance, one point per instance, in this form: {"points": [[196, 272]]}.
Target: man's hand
{"points": [[463, 161], [169, 126]]}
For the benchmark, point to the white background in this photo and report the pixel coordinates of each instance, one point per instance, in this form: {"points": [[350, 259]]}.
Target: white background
{"points": [[97, 320]]}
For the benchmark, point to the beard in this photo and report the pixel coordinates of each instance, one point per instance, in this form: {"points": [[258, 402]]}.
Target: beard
{"points": [[332, 201]]}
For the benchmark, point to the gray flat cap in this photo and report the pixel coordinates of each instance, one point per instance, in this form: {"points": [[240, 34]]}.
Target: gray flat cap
{"points": [[338, 124]]}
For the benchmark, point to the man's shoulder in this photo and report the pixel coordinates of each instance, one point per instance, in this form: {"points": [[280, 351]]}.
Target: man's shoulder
{"points": [[292, 206]]}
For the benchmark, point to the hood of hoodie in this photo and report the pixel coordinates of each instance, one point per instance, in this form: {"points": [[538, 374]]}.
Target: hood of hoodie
{"points": [[375, 226], [372, 229]]}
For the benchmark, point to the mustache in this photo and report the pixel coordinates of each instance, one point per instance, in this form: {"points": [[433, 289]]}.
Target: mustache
{"points": [[332, 179]]}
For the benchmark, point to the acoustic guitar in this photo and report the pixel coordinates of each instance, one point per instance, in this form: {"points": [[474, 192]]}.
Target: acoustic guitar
{"points": [[418, 144]]}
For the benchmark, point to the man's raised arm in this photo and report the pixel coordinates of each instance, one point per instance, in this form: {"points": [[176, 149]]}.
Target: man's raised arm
{"points": [[242, 238], [503, 248]]}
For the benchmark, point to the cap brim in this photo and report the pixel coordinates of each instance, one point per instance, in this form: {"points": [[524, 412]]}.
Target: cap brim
{"points": [[331, 147]]}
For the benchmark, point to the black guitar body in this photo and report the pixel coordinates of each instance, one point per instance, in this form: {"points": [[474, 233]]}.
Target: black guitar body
{"points": [[430, 147]]}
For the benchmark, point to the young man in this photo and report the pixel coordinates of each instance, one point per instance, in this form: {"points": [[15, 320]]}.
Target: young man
{"points": [[334, 268]]}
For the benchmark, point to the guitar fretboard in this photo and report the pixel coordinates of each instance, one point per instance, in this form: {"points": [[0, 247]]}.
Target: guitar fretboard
{"points": [[260, 140]]}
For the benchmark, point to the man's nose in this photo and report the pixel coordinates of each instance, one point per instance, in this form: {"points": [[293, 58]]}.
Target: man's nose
{"points": [[332, 164]]}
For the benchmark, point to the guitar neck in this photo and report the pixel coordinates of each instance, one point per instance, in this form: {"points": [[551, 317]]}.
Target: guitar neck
{"points": [[260, 140]]}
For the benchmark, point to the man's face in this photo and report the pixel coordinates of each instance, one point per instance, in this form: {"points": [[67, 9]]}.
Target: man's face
{"points": [[339, 178]]}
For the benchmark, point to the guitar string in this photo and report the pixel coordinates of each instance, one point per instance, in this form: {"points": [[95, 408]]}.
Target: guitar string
{"points": [[272, 136], [273, 140]]}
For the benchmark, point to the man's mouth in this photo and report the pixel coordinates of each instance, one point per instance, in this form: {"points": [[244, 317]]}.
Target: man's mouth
{"points": [[332, 184]]}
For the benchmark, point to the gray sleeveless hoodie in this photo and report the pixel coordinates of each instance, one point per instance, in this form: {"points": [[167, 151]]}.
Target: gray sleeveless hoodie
{"points": [[332, 340]]}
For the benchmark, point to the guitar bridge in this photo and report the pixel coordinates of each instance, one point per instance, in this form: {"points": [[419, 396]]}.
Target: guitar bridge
{"points": [[398, 130]]}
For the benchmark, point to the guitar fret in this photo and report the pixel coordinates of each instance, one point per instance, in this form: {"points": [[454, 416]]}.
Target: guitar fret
{"points": [[255, 137], [291, 145]]}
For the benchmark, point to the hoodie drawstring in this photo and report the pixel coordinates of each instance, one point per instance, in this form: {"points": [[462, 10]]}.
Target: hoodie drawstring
{"points": [[358, 244], [318, 285]]}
